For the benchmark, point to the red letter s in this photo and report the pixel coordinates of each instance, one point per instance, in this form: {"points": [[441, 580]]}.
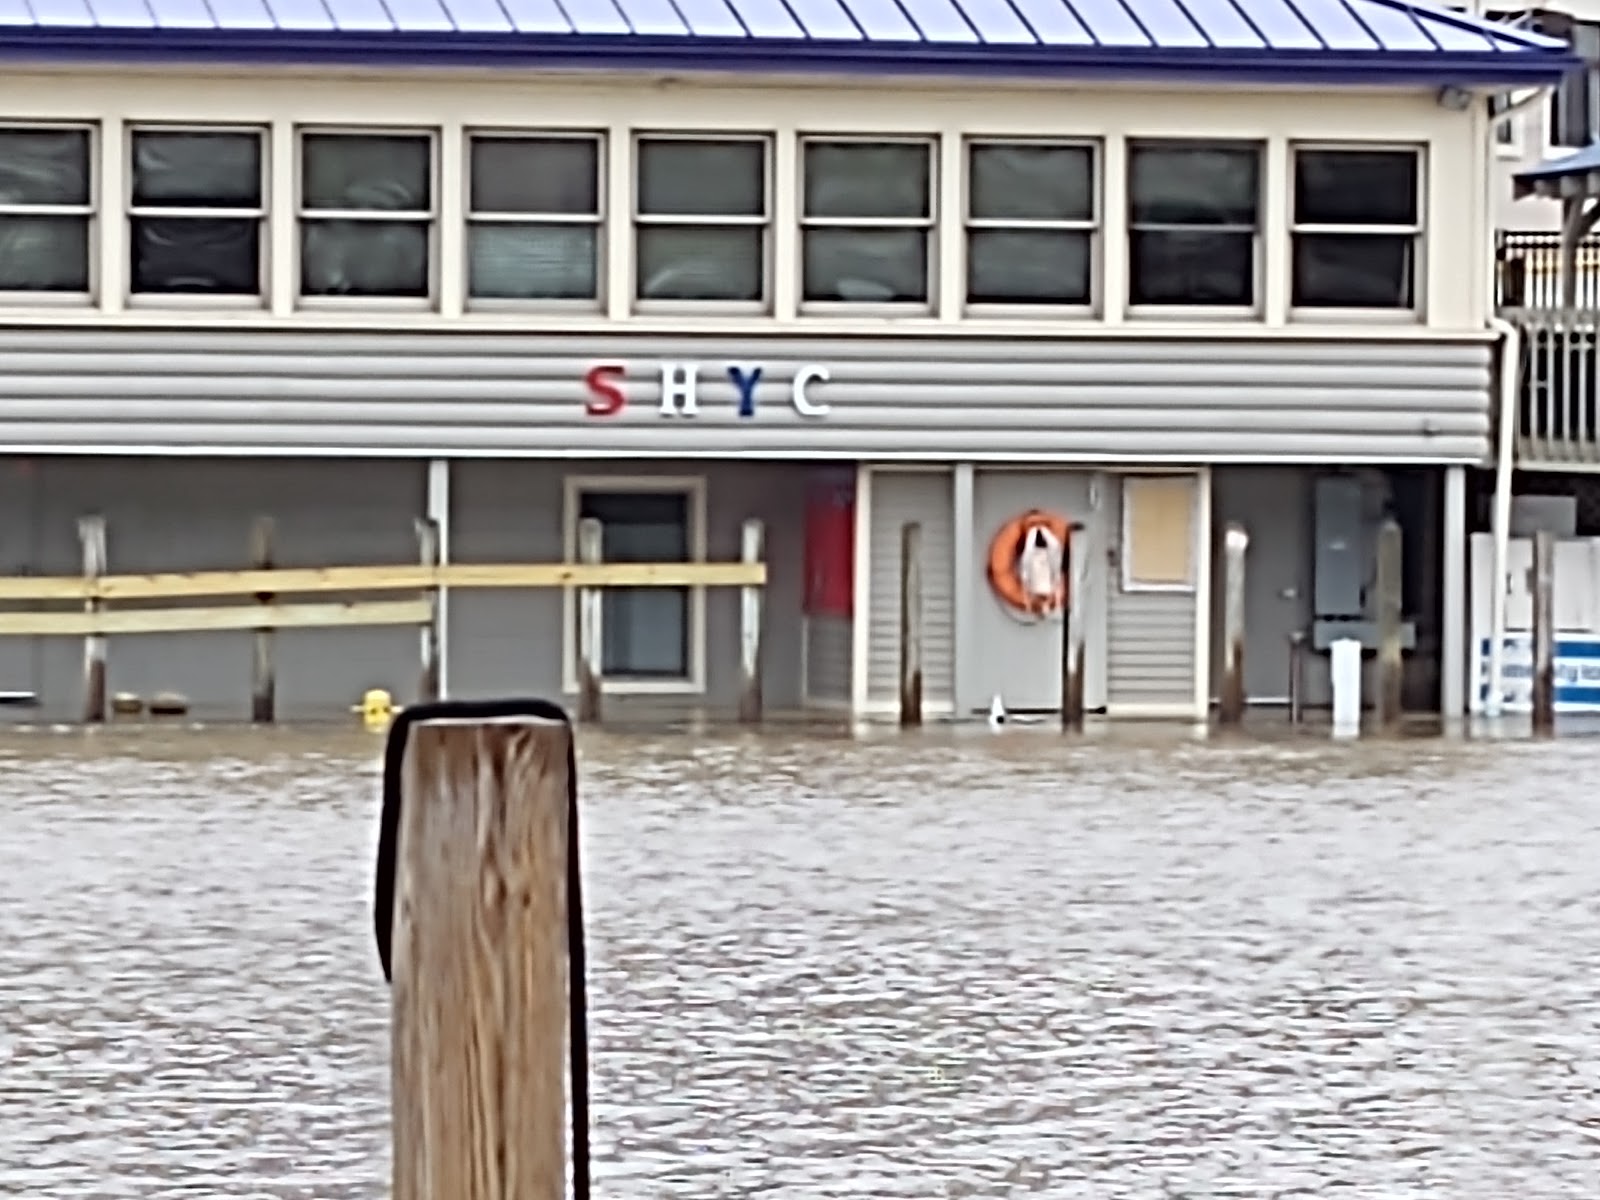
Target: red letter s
{"points": [[604, 382]]}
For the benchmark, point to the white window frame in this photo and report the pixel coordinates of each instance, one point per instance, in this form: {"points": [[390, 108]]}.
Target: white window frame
{"points": [[302, 214], [1133, 143], [1094, 227], [929, 226], [765, 222], [92, 212], [1418, 233], [469, 218], [261, 213], [692, 486], [1125, 533]]}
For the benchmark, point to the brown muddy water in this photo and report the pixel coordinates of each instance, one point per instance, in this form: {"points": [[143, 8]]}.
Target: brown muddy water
{"points": [[925, 967]]}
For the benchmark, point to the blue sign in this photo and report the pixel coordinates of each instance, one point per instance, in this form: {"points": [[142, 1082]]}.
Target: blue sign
{"points": [[1577, 670]]}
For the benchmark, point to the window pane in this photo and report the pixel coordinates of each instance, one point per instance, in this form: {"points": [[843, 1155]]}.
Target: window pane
{"points": [[866, 266], [1033, 266], [1343, 270], [1193, 185], [196, 254], [1035, 183], [866, 179], [44, 166], [644, 631], [1192, 268], [1355, 187], [197, 170], [702, 178], [535, 175], [531, 262], [363, 258], [383, 172], [44, 254], [678, 262]]}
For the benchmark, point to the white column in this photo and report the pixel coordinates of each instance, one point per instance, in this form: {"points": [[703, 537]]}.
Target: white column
{"points": [[1453, 598], [1202, 596], [439, 514], [964, 581], [861, 593]]}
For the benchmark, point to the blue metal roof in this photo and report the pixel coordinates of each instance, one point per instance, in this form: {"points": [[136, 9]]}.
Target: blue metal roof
{"points": [[1575, 174], [1264, 41]]}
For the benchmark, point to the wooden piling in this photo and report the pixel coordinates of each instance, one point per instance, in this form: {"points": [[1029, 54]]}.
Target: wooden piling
{"points": [[431, 633], [590, 656], [1235, 541], [1072, 634], [1542, 589], [910, 625], [1391, 607], [752, 540], [480, 961], [1297, 665], [263, 677], [92, 537]]}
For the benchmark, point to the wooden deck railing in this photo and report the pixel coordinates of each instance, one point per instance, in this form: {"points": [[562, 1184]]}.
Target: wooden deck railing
{"points": [[1558, 407], [259, 604]]}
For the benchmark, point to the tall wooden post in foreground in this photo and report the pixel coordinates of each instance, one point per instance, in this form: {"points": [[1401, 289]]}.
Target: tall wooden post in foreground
{"points": [[910, 625], [478, 888], [1391, 609], [1543, 591], [752, 540], [1072, 631], [263, 676]]}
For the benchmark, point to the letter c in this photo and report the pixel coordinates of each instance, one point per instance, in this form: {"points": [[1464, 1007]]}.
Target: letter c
{"points": [[804, 377]]}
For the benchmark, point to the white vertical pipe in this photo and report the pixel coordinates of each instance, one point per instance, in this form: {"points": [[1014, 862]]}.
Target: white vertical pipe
{"points": [[1453, 586], [1510, 368]]}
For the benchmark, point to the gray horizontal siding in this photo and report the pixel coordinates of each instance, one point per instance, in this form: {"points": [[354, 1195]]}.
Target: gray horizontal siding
{"points": [[829, 642], [899, 497], [1100, 398], [1150, 648]]}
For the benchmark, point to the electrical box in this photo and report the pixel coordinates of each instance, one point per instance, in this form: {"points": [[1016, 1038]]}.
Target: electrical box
{"points": [[1342, 558]]}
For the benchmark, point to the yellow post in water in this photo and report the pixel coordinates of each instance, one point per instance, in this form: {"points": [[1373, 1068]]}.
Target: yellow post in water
{"points": [[377, 709]]}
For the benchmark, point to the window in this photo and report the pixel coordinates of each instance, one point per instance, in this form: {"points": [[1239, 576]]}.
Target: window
{"points": [[700, 215], [1357, 225], [867, 213], [651, 638], [1158, 532], [366, 215], [195, 212], [1030, 223], [46, 206], [1193, 220], [1507, 129], [533, 218]]}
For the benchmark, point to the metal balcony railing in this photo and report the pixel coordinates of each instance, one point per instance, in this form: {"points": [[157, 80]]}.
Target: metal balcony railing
{"points": [[1528, 271], [1558, 427]]}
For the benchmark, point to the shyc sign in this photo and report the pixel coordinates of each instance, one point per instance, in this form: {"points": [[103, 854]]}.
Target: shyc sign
{"points": [[609, 387]]}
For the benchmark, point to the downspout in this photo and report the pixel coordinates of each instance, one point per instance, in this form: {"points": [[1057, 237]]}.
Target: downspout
{"points": [[1510, 371]]}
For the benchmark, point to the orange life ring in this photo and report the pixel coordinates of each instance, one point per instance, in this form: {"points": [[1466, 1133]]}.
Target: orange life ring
{"points": [[1005, 552]]}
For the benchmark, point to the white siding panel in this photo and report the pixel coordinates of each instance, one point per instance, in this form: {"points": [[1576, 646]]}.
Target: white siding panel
{"points": [[899, 497]]}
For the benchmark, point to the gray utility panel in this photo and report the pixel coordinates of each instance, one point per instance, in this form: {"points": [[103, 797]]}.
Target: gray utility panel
{"points": [[1346, 511]]}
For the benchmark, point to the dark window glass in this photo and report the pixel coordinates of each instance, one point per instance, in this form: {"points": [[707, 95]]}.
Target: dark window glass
{"points": [[512, 254], [1356, 218], [43, 171], [1193, 214], [644, 630], [867, 212], [1022, 181], [1023, 266], [180, 239], [702, 216], [1031, 211], [377, 193]]}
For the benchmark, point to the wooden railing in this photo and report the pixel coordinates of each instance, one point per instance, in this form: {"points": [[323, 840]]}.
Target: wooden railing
{"points": [[1528, 270], [1558, 417], [260, 605]]}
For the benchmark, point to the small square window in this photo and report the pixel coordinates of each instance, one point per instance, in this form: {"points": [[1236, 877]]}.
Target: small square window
{"points": [[701, 220], [1030, 223], [1357, 228], [533, 220], [867, 222], [196, 212], [366, 215], [46, 209]]}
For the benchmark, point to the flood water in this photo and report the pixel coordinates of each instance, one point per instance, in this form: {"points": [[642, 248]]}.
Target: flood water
{"points": [[936, 966]]}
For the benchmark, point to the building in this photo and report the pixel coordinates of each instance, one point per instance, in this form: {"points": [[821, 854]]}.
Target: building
{"points": [[835, 264]]}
